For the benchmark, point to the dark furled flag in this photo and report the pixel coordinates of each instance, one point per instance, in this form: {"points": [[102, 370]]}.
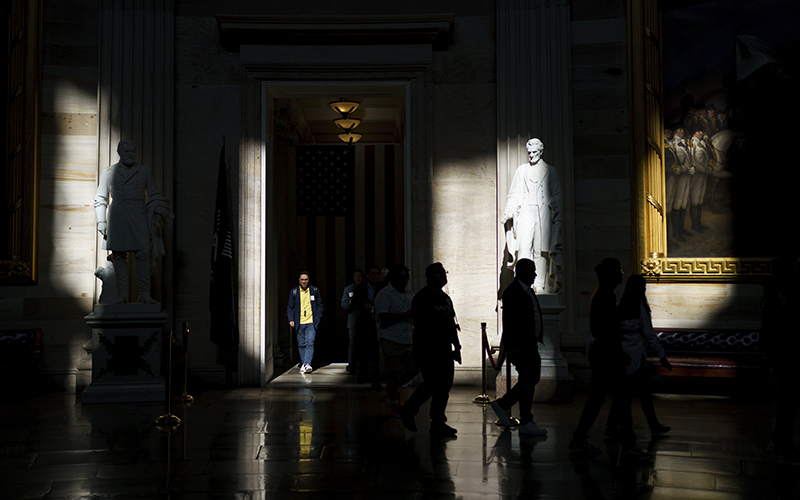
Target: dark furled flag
{"points": [[221, 300]]}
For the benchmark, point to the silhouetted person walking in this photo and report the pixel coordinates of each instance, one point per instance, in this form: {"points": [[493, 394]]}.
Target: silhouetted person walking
{"points": [[522, 331], [636, 334], [393, 310], [435, 347], [363, 304], [352, 317], [607, 362]]}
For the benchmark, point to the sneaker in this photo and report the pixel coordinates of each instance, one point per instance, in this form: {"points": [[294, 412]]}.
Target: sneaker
{"points": [[659, 430], [442, 431], [583, 447], [407, 419], [531, 429], [636, 453], [302, 368], [308, 368], [501, 413]]}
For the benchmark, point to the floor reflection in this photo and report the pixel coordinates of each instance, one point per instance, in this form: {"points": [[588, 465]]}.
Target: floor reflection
{"points": [[321, 435]]}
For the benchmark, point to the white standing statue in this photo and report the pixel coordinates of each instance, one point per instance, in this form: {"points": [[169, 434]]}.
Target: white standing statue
{"points": [[133, 221], [534, 210]]}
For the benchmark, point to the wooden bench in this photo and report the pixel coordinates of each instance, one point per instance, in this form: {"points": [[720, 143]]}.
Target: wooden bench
{"points": [[718, 359]]}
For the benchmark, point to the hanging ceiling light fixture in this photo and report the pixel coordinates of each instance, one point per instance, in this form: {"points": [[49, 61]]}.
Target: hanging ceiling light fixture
{"points": [[346, 123], [343, 106], [350, 137]]}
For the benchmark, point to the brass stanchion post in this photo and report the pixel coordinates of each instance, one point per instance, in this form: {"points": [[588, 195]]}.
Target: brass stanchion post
{"points": [[185, 398], [168, 419], [483, 398]]}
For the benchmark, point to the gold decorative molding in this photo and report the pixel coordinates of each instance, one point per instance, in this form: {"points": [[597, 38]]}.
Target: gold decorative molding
{"points": [[18, 172], [15, 269], [651, 199], [651, 267], [704, 269]]}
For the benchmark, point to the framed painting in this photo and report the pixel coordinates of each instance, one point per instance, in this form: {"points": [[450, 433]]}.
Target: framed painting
{"points": [[18, 172], [713, 87]]}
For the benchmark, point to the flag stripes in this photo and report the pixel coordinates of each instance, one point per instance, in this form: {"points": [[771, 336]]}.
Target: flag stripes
{"points": [[367, 228]]}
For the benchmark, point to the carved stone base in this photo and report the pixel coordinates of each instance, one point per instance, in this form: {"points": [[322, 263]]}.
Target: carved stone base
{"points": [[83, 377], [126, 340]]}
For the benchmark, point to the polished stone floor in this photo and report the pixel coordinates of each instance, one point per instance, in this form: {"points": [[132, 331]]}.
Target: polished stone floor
{"points": [[321, 436]]}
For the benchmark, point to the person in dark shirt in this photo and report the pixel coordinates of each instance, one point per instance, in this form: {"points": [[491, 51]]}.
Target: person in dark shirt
{"points": [[522, 332], [435, 347], [363, 304]]}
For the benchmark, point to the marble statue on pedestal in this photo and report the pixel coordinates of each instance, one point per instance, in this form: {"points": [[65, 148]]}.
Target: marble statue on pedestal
{"points": [[533, 217], [130, 215]]}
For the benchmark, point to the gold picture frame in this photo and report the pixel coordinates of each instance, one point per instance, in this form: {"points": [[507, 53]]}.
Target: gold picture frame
{"points": [[647, 154], [18, 264]]}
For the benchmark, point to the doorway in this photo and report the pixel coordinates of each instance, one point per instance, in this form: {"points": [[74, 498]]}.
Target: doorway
{"points": [[334, 207]]}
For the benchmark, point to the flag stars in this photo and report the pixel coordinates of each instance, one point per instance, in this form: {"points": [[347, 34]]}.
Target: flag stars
{"points": [[323, 180]]}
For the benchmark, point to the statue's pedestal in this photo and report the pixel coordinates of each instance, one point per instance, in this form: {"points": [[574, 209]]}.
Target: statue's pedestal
{"points": [[555, 385], [126, 350]]}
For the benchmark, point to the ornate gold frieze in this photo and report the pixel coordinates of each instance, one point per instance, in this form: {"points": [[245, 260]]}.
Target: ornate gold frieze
{"points": [[703, 269], [651, 267]]}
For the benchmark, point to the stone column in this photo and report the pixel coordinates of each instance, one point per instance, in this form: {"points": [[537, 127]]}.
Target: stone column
{"points": [[533, 100]]}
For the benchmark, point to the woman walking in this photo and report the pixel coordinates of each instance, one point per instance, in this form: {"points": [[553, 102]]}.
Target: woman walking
{"points": [[637, 332]]}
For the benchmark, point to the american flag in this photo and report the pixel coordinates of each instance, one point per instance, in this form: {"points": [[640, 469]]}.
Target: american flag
{"points": [[349, 213]]}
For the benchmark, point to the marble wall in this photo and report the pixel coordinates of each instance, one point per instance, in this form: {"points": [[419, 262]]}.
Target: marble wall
{"points": [[206, 109], [463, 178], [67, 168]]}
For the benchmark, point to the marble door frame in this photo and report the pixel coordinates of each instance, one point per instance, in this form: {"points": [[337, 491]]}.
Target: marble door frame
{"points": [[258, 297]]}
